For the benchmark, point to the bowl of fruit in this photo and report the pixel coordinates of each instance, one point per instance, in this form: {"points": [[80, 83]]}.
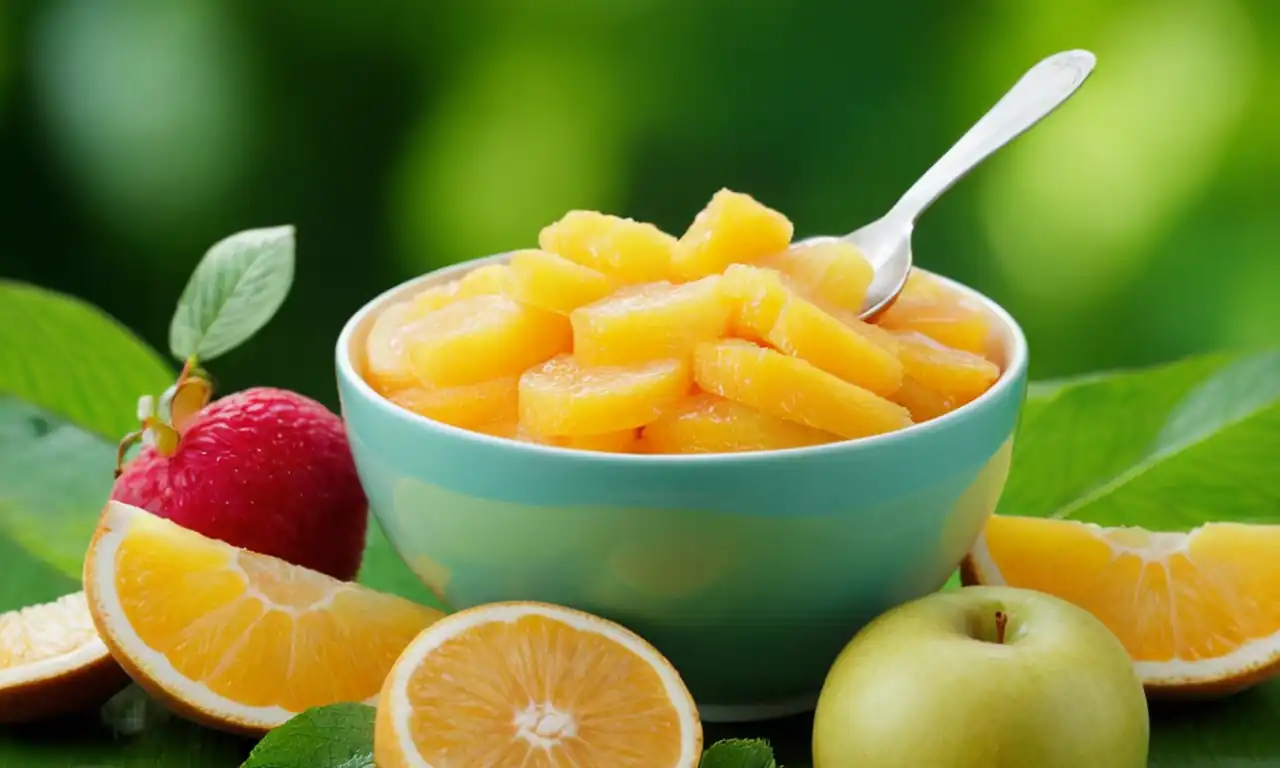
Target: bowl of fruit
{"points": [[694, 436]]}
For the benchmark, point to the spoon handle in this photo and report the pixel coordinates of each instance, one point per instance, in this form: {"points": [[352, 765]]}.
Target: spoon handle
{"points": [[1040, 91]]}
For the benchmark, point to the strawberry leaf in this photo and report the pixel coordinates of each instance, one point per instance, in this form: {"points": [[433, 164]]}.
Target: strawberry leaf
{"points": [[235, 290]]}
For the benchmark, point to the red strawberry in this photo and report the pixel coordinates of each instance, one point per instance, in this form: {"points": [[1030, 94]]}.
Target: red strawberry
{"points": [[263, 469]]}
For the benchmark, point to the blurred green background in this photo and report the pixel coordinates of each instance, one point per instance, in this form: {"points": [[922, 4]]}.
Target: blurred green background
{"points": [[1139, 223]]}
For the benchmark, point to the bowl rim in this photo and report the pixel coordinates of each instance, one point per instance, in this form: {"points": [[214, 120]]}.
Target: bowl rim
{"points": [[1014, 371]]}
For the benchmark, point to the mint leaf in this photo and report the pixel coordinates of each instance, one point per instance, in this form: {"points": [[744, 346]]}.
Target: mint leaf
{"points": [[235, 289], [1167, 448], [739, 753], [336, 736], [73, 360]]}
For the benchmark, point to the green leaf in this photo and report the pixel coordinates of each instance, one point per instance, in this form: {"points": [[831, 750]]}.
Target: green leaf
{"points": [[337, 736], [73, 360], [235, 289], [739, 753], [1168, 448]]}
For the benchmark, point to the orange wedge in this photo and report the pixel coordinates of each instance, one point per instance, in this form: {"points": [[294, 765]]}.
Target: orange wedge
{"points": [[512, 685], [232, 639], [1199, 612], [52, 662]]}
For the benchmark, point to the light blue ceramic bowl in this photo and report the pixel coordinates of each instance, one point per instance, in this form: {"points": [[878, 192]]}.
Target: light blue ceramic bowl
{"points": [[749, 571]]}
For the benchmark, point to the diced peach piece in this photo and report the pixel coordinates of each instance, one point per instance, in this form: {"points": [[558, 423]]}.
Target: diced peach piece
{"points": [[923, 403], [708, 423], [468, 406], [805, 331], [952, 373], [625, 250], [563, 397], [945, 315], [756, 296], [483, 338], [553, 283], [387, 368], [649, 322], [793, 389], [733, 228], [829, 272], [482, 281]]}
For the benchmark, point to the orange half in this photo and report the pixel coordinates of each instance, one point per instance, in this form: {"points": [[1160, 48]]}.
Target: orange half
{"points": [[529, 685], [1199, 612], [232, 639]]}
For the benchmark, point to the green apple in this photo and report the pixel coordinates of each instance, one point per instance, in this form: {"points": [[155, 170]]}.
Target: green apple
{"points": [[982, 677]]}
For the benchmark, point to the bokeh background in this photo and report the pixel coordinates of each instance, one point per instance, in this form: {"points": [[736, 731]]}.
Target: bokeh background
{"points": [[1138, 224]]}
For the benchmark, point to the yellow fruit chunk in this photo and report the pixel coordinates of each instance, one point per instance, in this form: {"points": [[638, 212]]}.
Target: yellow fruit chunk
{"points": [[706, 423], [923, 403], [483, 338], [756, 297], [563, 397], [513, 685], [792, 389], [233, 639], [952, 373], [832, 273], [468, 406], [649, 322], [732, 228], [622, 441], [625, 250], [52, 662], [1199, 612], [387, 369], [433, 298], [553, 283], [483, 281], [807, 332], [947, 316]]}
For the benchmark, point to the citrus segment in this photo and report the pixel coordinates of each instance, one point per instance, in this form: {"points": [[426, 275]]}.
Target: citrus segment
{"points": [[707, 423], [944, 315], [564, 397], [482, 281], [482, 338], [1197, 611], [792, 389], [955, 374], [805, 331], [52, 662], [526, 685], [733, 228], [626, 250], [468, 406], [387, 368], [923, 403], [553, 283], [649, 322], [234, 639], [756, 296], [832, 273]]}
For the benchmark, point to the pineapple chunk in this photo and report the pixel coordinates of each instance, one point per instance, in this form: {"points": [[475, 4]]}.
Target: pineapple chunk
{"points": [[707, 423], [482, 281], [829, 272], [431, 299], [386, 367], [732, 228], [649, 322], [924, 403], [805, 331], [468, 406], [952, 373], [624, 250], [482, 338], [553, 283], [757, 296], [946, 316], [622, 441], [792, 389], [565, 398]]}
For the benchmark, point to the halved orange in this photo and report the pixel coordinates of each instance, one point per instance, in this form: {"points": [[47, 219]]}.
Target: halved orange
{"points": [[233, 639], [529, 685], [52, 662], [1199, 612]]}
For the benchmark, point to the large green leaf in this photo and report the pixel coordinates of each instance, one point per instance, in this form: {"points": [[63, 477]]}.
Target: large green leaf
{"points": [[73, 360]]}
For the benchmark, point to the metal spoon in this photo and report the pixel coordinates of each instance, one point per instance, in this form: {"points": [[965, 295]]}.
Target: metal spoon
{"points": [[886, 242]]}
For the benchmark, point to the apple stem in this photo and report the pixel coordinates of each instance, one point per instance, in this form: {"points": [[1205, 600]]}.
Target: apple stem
{"points": [[1002, 620]]}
